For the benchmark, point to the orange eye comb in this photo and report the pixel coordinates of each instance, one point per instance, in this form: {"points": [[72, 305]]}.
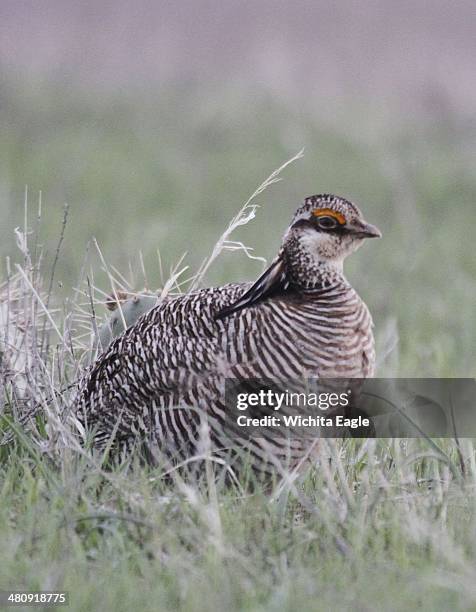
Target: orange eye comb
{"points": [[328, 212]]}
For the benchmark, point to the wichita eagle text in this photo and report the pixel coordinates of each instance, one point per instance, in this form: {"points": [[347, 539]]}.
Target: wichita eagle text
{"points": [[302, 421]]}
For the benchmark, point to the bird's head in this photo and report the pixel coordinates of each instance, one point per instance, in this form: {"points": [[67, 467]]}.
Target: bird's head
{"points": [[326, 229]]}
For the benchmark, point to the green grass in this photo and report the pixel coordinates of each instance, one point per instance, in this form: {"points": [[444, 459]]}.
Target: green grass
{"points": [[390, 533], [374, 525]]}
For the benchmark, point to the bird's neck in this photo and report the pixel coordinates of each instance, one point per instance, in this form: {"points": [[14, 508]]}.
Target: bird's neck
{"points": [[306, 273], [319, 276]]}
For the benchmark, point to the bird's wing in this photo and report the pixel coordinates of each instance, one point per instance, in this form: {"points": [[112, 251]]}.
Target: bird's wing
{"points": [[162, 360]]}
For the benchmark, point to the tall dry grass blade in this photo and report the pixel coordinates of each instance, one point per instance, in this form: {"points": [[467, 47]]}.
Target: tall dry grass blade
{"points": [[246, 213]]}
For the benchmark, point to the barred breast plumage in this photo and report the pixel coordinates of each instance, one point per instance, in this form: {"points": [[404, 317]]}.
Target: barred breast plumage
{"points": [[300, 318]]}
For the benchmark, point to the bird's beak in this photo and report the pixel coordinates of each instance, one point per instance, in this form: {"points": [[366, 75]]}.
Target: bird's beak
{"points": [[361, 229]]}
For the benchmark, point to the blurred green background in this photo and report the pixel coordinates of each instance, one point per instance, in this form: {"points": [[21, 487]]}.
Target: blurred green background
{"points": [[156, 123]]}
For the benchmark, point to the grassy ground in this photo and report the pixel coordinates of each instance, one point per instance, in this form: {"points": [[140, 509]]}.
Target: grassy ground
{"points": [[385, 525], [374, 526]]}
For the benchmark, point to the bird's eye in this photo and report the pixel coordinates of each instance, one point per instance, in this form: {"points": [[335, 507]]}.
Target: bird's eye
{"points": [[327, 223]]}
